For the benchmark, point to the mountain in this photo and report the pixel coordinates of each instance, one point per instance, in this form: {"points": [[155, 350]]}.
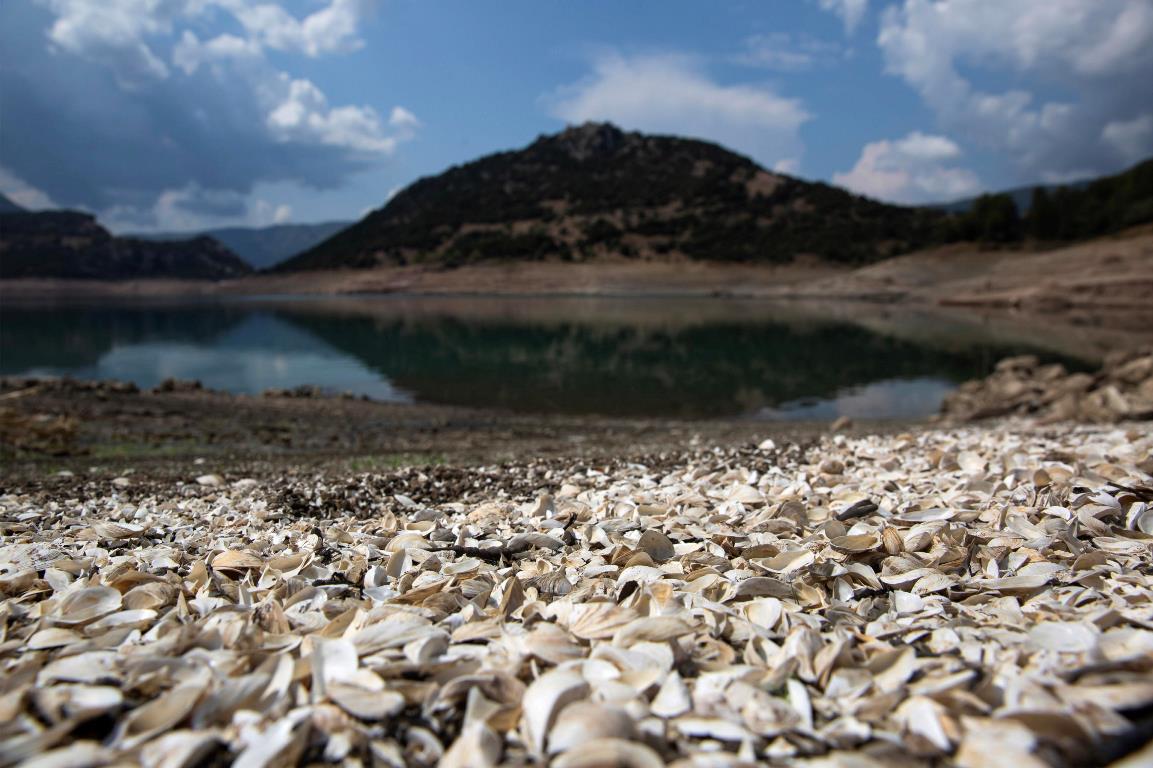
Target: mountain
{"points": [[69, 244], [262, 247], [596, 191], [7, 206]]}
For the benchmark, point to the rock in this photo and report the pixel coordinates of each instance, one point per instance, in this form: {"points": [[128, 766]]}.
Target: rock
{"points": [[1018, 386]]}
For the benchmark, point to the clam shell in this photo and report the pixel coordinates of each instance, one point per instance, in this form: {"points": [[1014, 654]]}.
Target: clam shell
{"points": [[86, 605], [656, 545], [236, 560], [605, 752], [543, 701], [584, 720]]}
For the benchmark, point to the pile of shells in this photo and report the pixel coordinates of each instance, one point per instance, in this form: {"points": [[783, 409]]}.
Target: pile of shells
{"points": [[1122, 390], [971, 597]]}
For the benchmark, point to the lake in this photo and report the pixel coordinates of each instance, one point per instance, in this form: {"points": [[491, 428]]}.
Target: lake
{"points": [[639, 357]]}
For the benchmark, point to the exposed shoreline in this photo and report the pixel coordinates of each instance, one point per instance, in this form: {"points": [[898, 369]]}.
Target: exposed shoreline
{"points": [[1112, 273]]}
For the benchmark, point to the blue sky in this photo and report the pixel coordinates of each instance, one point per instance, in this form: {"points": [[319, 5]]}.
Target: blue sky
{"points": [[181, 114]]}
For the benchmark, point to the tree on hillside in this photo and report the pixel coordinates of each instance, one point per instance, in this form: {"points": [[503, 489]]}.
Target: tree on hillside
{"points": [[1044, 219], [992, 219]]}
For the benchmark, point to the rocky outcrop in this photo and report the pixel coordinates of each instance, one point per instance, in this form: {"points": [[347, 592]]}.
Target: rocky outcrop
{"points": [[1022, 386]]}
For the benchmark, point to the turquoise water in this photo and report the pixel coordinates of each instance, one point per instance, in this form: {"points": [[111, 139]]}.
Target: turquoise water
{"points": [[620, 357]]}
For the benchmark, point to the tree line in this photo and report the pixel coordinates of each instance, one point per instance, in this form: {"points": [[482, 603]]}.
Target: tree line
{"points": [[1057, 214]]}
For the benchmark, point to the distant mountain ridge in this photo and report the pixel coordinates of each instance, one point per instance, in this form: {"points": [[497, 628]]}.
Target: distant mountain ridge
{"points": [[596, 191], [262, 247], [73, 245]]}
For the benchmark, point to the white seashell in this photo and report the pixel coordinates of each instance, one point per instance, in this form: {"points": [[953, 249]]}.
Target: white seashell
{"points": [[649, 628], [86, 605], [610, 752], [1063, 636], [478, 746], [1140, 517], [159, 715], [365, 704], [89, 667], [543, 701], [583, 720], [78, 701], [591, 621], [53, 637], [789, 561], [333, 662], [114, 530], [179, 749], [81, 754], [673, 699], [138, 618]]}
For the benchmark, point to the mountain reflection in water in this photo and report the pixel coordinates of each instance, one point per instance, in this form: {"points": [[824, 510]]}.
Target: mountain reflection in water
{"points": [[688, 358]]}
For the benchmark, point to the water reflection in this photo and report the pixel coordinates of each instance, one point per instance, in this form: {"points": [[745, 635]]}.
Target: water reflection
{"points": [[629, 358]]}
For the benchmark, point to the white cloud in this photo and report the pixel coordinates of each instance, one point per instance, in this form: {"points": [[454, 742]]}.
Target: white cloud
{"points": [[303, 115], [192, 208], [402, 118], [787, 53], [113, 33], [671, 94], [1099, 51], [22, 193], [914, 169], [1131, 138], [850, 11], [330, 29], [202, 93], [190, 53]]}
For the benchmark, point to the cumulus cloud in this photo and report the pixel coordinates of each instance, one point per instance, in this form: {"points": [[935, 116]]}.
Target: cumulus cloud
{"points": [[671, 94], [918, 168], [330, 29], [114, 33], [1098, 51], [850, 11], [159, 111]]}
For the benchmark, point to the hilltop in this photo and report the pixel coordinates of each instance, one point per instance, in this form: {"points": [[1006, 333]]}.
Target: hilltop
{"points": [[73, 245], [596, 191]]}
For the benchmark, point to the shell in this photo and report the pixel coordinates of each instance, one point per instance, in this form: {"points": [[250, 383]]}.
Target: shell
{"points": [[86, 605], [236, 560], [584, 720], [605, 752], [969, 595], [543, 701]]}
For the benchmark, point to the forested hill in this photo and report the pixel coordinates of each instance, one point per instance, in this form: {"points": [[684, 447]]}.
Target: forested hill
{"points": [[73, 245], [597, 191]]}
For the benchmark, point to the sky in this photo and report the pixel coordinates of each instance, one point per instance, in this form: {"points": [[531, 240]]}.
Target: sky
{"points": [[162, 115]]}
